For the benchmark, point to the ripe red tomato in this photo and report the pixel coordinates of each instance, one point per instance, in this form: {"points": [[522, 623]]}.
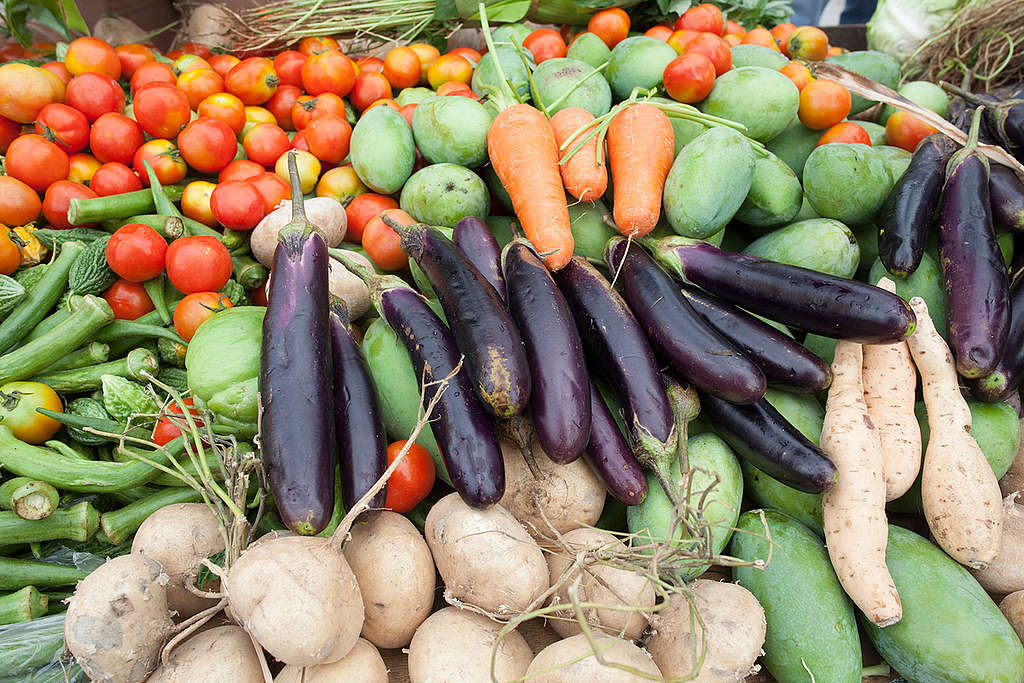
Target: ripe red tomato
{"points": [[95, 95], [367, 89], [207, 144], [689, 77], [193, 48], [273, 189], [705, 18], [904, 130], [136, 252], [57, 198], [361, 210], [780, 32], [198, 263], [328, 138], [64, 126], [237, 205], [798, 73], [306, 108], [128, 300], [36, 161], [92, 55], [222, 64], [195, 309], [412, 480], [382, 244], [59, 70], [846, 132], [714, 48], [152, 72], [9, 130], [161, 109], [164, 158], [370, 65], [288, 66], [239, 169], [407, 112], [611, 25], [115, 137], [333, 72], [660, 32], [226, 107], [166, 430], [252, 80], [315, 45], [114, 178], [132, 56], [198, 84], [265, 143], [280, 105], [544, 44]]}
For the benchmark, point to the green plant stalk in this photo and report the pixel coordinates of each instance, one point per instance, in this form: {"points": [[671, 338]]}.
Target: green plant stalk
{"points": [[169, 227], [76, 523], [119, 525], [119, 205], [155, 289], [132, 328], [67, 336], [165, 207], [57, 317], [79, 380], [23, 605], [66, 450], [28, 499], [41, 297], [90, 354], [16, 574]]}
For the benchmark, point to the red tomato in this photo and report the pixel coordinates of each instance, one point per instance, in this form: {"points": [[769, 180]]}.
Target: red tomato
{"points": [[207, 144], [407, 111], [273, 188], [402, 67], [412, 480], [760, 36], [610, 25], [659, 32], [368, 65], [95, 95], [288, 66], [114, 178], [714, 48], [128, 300], [164, 158], [64, 126], [367, 89], [161, 109], [194, 48], [361, 210], [734, 29], [19, 203], [306, 108], [315, 45], [92, 55], [115, 137], [679, 39], [225, 107], [57, 198], [328, 72], [258, 295], [132, 56], [36, 161], [689, 77], [82, 167], [455, 89], [467, 53], [252, 80], [166, 429], [239, 169], [280, 105], [328, 138], [152, 72], [823, 104], [195, 202], [222, 64], [705, 18], [265, 143], [237, 205], [544, 44], [136, 252], [904, 130], [9, 130], [195, 309], [846, 132], [198, 84], [299, 141], [382, 244], [198, 263], [780, 32]]}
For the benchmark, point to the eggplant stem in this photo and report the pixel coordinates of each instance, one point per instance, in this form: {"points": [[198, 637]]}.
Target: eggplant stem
{"points": [[519, 431], [298, 208]]}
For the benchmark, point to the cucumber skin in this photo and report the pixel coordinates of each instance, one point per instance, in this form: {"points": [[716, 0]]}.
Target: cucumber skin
{"points": [[810, 620], [951, 631]]}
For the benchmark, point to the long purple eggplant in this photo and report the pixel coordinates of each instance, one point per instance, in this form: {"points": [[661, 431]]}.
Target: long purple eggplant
{"points": [[476, 242], [798, 297], [559, 401], [761, 435], [1004, 118], [297, 441], [977, 286], [1006, 378], [616, 345], [1006, 197], [907, 212], [610, 456], [362, 444], [694, 349], [480, 323], [784, 362], [463, 429]]}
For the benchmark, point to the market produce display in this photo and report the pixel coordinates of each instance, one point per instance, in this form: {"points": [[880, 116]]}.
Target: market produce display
{"points": [[658, 345]]}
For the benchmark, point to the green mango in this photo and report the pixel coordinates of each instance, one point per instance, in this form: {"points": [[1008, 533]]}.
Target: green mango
{"points": [[925, 93], [775, 194], [925, 282], [485, 77], [896, 160], [821, 244], [875, 132], [451, 130], [757, 55], [382, 150], [444, 194], [553, 78], [847, 182], [637, 62], [794, 144], [877, 66], [591, 228], [761, 99], [589, 49]]}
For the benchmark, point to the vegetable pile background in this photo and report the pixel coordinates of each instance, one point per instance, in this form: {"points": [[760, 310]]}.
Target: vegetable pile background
{"points": [[649, 342]]}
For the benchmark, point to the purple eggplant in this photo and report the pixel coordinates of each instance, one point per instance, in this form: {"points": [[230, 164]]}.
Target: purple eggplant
{"points": [[1003, 118], [1006, 378], [694, 349], [609, 454], [362, 444], [476, 242], [297, 441], [784, 362], [1006, 197], [463, 429], [976, 283], [616, 345], [482, 327], [559, 401], [798, 297], [908, 211], [761, 435]]}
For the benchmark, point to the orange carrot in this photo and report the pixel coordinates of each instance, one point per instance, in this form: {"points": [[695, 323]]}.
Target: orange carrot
{"points": [[584, 176], [523, 152], [640, 153]]}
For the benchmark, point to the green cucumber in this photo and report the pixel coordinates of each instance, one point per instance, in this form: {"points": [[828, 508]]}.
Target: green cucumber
{"points": [[12, 293], [90, 354], [90, 273], [821, 244], [951, 631], [84, 321], [119, 525], [119, 205], [812, 630], [41, 297], [80, 380], [23, 605], [176, 378], [76, 523]]}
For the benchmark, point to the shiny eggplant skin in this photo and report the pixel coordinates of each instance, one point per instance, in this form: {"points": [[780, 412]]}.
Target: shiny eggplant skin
{"points": [[1006, 197], [610, 457], [476, 241], [1006, 378]]}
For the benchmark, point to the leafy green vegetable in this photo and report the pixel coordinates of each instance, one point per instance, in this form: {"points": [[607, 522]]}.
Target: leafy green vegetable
{"points": [[60, 15], [898, 27]]}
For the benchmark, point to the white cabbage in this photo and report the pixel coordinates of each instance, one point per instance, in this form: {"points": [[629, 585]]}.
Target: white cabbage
{"points": [[898, 27]]}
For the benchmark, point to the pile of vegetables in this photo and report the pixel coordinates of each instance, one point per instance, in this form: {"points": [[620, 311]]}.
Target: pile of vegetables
{"points": [[305, 360]]}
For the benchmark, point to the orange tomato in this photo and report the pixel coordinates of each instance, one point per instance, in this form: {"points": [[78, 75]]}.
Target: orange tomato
{"points": [[273, 189], [152, 72], [222, 64], [57, 69], [545, 44], [798, 73], [198, 84], [280, 105], [610, 25], [904, 130], [407, 112], [760, 36], [93, 55], [19, 203], [315, 45], [382, 244], [341, 184], [225, 107], [449, 67], [82, 167], [780, 33], [252, 80], [846, 132], [24, 90], [239, 169], [823, 104], [470, 55], [306, 108], [329, 71], [370, 65], [679, 39], [402, 67], [427, 54], [36, 161], [712, 47], [689, 77], [9, 130], [288, 66], [705, 18], [456, 88], [367, 89], [328, 137], [807, 42], [194, 48], [361, 209], [734, 29], [132, 56], [659, 32], [732, 40], [254, 116], [186, 63], [10, 255]]}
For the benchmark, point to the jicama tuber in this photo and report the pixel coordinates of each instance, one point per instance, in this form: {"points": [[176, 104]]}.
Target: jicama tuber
{"points": [[1005, 574], [959, 492], [853, 510]]}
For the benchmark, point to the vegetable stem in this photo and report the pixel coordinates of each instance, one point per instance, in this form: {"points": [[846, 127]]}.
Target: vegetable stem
{"points": [[16, 574], [23, 605], [30, 500], [76, 523], [119, 205]]}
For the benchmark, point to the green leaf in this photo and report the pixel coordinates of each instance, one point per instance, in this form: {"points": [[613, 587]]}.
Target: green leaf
{"points": [[499, 11], [205, 574], [674, 6], [60, 15], [16, 16], [445, 10], [67, 12]]}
